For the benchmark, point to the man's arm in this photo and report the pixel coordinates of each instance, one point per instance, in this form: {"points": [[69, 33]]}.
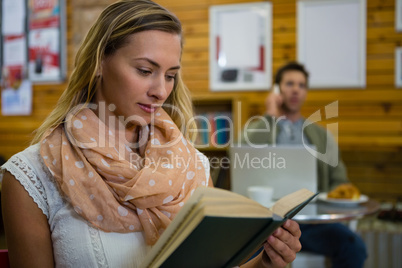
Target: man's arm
{"points": [[337, 174], [27, 230]]}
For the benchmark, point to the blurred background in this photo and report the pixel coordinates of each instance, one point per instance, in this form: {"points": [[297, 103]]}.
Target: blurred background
{"points": [[369, 119]]}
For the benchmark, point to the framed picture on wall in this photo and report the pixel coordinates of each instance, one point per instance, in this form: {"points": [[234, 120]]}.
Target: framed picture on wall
{"points": [[398, 67], [240, 50], [398, 15], [332, 42], [46, 40]]}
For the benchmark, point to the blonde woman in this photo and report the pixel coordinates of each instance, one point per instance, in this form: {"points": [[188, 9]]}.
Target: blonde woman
{"points": [[102, 178]]}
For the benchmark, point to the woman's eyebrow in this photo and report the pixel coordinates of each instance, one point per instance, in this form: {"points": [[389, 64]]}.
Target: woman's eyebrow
{"points": [[154, 63]]}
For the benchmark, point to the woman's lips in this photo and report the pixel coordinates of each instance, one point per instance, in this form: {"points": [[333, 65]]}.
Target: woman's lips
{"points": [[148, 107]]}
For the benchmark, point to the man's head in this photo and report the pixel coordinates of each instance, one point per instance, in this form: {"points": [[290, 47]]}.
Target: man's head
{"points": [[293, 81]]}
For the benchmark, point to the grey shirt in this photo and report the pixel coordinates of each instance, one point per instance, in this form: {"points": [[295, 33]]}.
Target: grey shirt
{"points": [[290, 132]]}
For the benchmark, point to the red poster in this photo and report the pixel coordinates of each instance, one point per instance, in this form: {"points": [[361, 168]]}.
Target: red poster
{"points": [[44, 14], [44, 57], [14, 61]]}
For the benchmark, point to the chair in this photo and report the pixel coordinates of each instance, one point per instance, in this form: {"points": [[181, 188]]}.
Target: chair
{"points": [[4, 262]]}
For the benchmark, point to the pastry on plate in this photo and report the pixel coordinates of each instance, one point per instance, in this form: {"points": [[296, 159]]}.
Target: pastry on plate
{"points": [[345, 191]]}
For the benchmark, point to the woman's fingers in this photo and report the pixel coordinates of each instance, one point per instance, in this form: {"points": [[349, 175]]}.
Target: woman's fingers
{"points": [[283, 244]]}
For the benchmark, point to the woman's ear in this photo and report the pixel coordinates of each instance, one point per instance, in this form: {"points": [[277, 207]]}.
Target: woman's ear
{"points": [[100, 67], [99, 71]]}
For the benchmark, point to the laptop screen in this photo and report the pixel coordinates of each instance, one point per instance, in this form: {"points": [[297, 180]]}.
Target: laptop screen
{"points": [[285, 168]]}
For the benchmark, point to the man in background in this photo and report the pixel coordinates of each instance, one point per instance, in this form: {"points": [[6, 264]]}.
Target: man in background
{"points": [[286, 124]]}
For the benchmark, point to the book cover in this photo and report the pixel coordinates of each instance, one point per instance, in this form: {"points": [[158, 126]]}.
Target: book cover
{"points": [[219, 228]]}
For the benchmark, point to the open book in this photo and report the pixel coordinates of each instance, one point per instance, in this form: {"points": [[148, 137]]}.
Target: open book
{"points": [[219, 228]]}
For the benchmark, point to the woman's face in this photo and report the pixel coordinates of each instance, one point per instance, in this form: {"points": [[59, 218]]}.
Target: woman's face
{"points": [[139, 77]]}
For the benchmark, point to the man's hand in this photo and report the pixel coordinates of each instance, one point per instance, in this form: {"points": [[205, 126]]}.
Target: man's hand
{"points": [[273, 104]]}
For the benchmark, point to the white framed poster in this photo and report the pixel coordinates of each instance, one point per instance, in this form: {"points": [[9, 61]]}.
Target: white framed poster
{"points": [[332, 42], [240, 51], [16, 90], [44, 56], [46, 40], [398, 15], [13, 20], [398, 67]]}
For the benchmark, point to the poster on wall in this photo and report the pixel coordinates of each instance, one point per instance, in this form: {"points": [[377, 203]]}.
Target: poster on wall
{"points": [[398, 67], [332, 42], [44, 59], [17, 101], [46, 41], [13, 21], [398, 15], [16, 93], [44, 14], [12, 24], [240, 46]]}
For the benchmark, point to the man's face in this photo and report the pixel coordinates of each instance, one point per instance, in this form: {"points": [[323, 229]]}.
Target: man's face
{"points": [[293, 88]]}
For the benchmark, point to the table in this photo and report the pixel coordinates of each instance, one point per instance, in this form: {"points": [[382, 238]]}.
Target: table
{"points": [[323, 212], [319, 212]]}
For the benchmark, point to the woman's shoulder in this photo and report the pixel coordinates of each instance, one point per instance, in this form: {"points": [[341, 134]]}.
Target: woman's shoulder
{"points": [[28, 168], [28, 160], [32, 150]]}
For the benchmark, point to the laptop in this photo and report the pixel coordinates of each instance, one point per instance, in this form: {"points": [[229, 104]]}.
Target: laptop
{"points": [[285, 168]]}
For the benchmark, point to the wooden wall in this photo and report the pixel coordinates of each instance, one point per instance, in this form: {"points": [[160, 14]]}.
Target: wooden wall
{"points": [[370, 120], [16, 131]]}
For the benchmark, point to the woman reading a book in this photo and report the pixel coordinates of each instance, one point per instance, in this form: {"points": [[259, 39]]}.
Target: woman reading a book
{"points": [[111, 166]]}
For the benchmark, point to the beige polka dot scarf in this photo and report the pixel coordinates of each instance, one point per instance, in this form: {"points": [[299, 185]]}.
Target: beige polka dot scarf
{"points": [[114, 188]]}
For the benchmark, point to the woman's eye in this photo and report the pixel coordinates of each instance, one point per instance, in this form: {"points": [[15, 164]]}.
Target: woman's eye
{"points": [[170, 77], [143, 72]]}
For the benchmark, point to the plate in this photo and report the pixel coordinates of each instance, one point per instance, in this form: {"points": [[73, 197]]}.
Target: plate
{"points": [[323, 197]]}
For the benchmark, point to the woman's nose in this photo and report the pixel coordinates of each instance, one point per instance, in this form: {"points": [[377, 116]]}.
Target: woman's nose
{"points": [[158, 89]]}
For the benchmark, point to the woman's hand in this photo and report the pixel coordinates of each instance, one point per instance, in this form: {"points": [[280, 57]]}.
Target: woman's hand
{"points": [[281, 247]]}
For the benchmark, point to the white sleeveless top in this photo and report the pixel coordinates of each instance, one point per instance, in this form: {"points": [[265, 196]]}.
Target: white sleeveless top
{"points": [[75, 242]]}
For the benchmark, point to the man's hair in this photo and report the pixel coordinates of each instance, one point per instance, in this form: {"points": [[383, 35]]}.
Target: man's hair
{"points": [[291, 66]]}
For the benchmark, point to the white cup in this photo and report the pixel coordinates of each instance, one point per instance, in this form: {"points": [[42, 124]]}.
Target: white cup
{"points": [[261, 194]]}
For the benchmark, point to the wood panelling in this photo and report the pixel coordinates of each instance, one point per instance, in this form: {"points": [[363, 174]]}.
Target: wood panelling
{"points": [[380, 4], [369, 119], [16, 132]]}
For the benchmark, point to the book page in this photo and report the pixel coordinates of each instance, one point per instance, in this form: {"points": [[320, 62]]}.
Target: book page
{"points": [[225, 207], [291, 201], [204, 202]]}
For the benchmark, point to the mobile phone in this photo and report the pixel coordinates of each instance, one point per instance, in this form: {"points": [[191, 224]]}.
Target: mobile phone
{"points": [[275, 89]]}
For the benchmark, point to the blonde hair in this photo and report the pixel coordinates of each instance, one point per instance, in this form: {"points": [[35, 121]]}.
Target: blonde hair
{"points": [[109, 33]]}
